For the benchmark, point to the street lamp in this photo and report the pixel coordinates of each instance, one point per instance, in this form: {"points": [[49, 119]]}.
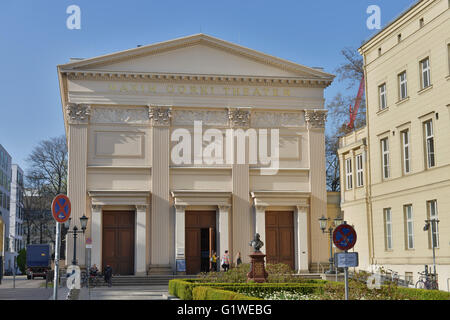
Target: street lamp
{"points": [[75, 232], [323, 226], [433, 223]]}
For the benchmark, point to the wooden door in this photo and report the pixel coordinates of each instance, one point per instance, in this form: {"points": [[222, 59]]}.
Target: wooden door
{"points": [[280, 237], [118, 241], [195, 221]]}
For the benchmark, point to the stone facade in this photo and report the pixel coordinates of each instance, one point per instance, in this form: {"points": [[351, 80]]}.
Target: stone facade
{"points": [[126, 115]]}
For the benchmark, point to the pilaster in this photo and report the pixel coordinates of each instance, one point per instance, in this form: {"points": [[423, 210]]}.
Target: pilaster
{"points": [[78, 119], [260, 223], [301, 241], [96, 232], [223, 228], [160, 222], [140, 246]]}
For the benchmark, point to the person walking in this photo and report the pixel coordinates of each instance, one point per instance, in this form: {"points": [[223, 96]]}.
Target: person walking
{"points": [[226, 261], [214, 261], [238, 259], [108, 275]]}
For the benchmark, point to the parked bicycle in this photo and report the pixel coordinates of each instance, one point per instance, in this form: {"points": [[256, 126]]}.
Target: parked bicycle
{"points": [[427, 281]]}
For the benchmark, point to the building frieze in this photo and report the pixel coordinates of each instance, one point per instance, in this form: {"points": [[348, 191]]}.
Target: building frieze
{"points": [[207, 117], [262, 119], [120, 115]]}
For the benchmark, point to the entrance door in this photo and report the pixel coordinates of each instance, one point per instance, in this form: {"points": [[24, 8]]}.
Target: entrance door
{"points": [[118, 241], [280, 237], [200, 240]]}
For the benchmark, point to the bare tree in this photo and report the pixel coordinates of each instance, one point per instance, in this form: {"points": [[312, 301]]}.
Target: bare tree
{"points": [[48, 162], [45, 178], [351, 71]]}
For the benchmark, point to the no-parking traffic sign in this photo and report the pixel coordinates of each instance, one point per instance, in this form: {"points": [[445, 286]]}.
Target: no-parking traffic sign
{"points": [[344, 237], [61, 208]]}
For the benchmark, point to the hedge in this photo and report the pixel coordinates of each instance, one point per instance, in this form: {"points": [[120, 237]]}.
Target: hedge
{"points": [[211, 293], [423, 294], [183, 288]]}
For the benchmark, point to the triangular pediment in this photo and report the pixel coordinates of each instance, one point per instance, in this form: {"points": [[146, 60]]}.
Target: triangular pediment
{"points": [[198, 54]]}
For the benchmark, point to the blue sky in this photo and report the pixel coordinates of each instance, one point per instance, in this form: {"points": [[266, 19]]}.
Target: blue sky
{"points": [[34, 39]]}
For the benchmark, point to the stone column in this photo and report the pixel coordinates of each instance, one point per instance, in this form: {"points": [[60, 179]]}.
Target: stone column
{"points": [[160, 223], [301, 241], [260, 224], [180, 232], [140, 246], [315, 120], [242, 216], [78, 118], [96, 234], [223, 230]]}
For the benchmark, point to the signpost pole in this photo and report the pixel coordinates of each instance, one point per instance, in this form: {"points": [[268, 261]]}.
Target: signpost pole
{"points": [[57, 249], [346, 280]]}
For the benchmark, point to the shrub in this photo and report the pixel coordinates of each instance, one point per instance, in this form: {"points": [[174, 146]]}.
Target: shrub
{"points": [[22, 260], [210, 293], [183, 289], [278, 273]]}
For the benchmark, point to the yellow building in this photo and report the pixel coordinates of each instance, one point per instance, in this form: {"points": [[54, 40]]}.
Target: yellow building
{"points": [[161, 202], [395, 172]]}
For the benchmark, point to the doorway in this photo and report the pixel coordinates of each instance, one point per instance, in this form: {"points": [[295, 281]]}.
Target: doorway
{"points": [[280, 237], [200, 240], [118, 241]]}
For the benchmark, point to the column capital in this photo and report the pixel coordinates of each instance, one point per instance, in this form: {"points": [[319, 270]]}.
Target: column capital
{"points": [[96, 207], [160, 115], [180, 207], [141, 207], [224, 207], [260, 207], [302, 208], [239, 117], [316, 118], [78, 113]]}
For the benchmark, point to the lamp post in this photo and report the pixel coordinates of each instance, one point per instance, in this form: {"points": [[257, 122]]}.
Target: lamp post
{"points": [[323, 226], [75, 232], [433, 223]]}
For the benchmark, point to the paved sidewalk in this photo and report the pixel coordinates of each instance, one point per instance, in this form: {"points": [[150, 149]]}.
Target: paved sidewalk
{"points": [[129, 293], [25, 289]]}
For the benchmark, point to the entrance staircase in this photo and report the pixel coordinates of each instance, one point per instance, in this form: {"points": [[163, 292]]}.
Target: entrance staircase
{"points": [[131, 281]]}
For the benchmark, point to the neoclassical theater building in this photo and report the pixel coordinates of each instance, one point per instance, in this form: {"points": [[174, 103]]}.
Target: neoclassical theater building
{"points": [[193, 145]]}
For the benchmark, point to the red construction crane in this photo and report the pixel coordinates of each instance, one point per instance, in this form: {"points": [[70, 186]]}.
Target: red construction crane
{"points": [[354, 110]]}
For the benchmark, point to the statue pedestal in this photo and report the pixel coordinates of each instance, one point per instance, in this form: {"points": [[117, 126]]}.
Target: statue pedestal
{"points": [[258, 271]]}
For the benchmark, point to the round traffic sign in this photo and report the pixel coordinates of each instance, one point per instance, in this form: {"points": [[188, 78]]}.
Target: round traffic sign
{"points": [[344, 237], [61, 208]]}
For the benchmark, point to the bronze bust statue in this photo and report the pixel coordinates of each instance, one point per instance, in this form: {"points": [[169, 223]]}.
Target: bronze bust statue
{"points": [[256, 243]]}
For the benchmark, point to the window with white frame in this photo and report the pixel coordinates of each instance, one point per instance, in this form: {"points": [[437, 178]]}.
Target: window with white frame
{"points": [[429, 143], [403, 85], [434, 228], [405, 153], [388, 228], [382, 95], [385, 157], [425, 73], [349, 173], [359, 171], [409, 226]]}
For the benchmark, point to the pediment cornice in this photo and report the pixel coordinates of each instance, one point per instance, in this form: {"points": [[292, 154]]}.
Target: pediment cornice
{"points": [[195, 78], [199, 39]]}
